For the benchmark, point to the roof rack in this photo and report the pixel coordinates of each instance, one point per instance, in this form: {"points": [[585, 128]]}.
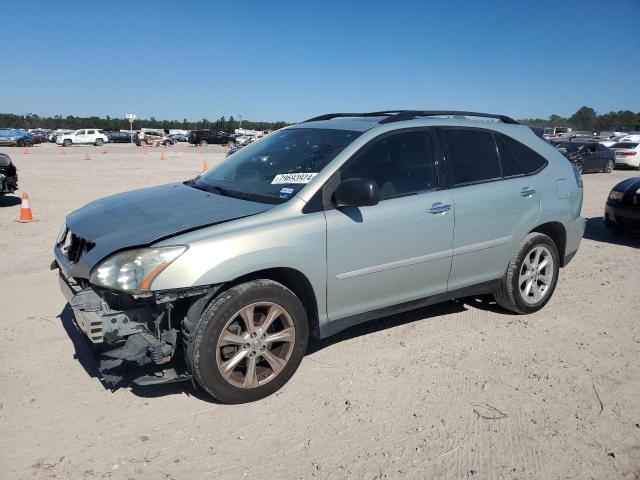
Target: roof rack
{"points": [[329, 116], [411, 114], [400, 115]]}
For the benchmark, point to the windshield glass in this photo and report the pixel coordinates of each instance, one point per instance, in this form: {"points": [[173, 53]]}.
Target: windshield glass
{"points": [[277, 167], [571, 147]]}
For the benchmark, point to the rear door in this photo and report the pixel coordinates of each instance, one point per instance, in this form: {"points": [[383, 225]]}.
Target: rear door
{"points": [[400, 249], [91, 136], [495, 203]]}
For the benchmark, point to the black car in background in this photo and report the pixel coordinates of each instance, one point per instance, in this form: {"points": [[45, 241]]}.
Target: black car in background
{"points": [[8, 175], [204, 137], [622, 211], [589, 156], [119, 137]]}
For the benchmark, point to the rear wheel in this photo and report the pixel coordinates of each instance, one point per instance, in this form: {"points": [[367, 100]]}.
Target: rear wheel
{"points": [[203, 143], [531, 276], [249, 341], [608, 168], [99, 142]]}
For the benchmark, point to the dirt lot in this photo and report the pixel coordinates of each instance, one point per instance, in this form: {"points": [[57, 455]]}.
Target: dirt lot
{"points": [[459, 390]]}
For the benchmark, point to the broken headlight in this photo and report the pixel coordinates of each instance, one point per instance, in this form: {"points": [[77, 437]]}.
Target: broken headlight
{"points": [[133, 271]]}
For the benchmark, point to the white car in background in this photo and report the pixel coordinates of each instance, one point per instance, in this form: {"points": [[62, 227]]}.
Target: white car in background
{"points": [[244, 140], [627, 153], [89, 136], [632, 137], [611, 141]]}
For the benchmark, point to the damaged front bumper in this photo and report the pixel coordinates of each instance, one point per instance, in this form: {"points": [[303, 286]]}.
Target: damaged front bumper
{"points": [[135, 339]]}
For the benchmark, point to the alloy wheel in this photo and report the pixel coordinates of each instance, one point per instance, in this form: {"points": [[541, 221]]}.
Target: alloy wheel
{"points": [[255, 345], [536, 274]]}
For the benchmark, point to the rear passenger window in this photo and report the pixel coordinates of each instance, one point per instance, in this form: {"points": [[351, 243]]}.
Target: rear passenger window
{"points": [[531, 161], [401, 163], [92, 132], [472, 155]]}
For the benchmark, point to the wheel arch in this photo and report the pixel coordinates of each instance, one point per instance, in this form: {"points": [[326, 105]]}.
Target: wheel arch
{"points": [[557, 233], [294, 280]]}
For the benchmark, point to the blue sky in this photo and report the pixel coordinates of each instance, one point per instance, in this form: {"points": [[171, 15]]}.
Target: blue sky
{"points": [[289, 60]]}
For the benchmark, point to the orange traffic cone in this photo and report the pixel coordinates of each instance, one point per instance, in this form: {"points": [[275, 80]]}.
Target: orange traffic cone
{"points": [[104, 151], [86, 156], [25, 210], [25, 150], [205, 167], [162, 156]]}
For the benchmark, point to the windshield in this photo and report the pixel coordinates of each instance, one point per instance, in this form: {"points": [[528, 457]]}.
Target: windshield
{"points": [[277, 167], [571, 147]]}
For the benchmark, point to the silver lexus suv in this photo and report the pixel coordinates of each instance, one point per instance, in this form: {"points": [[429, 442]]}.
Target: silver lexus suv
{"points": [[338, 220]]}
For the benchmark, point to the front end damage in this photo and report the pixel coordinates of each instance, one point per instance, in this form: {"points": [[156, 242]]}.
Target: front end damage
{"points": [[135, 339]]}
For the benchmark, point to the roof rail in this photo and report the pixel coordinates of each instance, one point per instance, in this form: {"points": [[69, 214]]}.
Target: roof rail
{"points": [[411, 114], [329, 116]]}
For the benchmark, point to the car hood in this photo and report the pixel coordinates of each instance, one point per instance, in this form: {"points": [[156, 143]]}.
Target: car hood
{"points": [[142, 217], [630, 187]]}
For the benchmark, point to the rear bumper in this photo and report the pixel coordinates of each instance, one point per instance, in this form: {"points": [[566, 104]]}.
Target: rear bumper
{"points": [[628, 161], [575, 231]]}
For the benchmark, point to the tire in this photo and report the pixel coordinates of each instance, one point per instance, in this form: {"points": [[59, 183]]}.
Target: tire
{"points": [[608, 168], [20, 143], [99, 142], [66, 142], [204, 143], [167, 143], [518, 296], [207, 353]]}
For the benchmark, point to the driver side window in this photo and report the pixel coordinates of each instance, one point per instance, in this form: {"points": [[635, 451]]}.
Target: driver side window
{"points": [[401, 163]]}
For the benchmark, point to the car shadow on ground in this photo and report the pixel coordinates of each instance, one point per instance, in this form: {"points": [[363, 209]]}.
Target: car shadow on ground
{"points": [[597, 231], [84, 350], [9, 201]]}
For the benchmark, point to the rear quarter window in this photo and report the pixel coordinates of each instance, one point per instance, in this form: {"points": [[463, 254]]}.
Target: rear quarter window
{"points": [[531, 161]]}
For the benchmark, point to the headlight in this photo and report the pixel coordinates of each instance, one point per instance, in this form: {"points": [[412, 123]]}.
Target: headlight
{"points": [[615, 195], [134, 270]]}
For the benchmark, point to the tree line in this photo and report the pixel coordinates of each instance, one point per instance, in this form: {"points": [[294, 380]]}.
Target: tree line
{"points": [[587, 119], [71, 122]]}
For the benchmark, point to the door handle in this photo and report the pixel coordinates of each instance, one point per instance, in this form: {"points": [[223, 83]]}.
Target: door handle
{"points": [[527, 192], [437, 208]]}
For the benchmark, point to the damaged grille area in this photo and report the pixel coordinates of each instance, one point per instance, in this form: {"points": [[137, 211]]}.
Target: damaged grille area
{"points": [[74, 247]]}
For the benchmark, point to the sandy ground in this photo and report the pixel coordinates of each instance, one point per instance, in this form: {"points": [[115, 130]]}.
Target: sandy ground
{"points": [[458, 390]]}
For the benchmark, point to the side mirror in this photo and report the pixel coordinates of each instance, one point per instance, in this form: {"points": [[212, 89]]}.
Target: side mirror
{"points": [[357, 192]]}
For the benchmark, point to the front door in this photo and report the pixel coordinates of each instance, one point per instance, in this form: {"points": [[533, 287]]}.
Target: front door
{"points": [[400, 249]]}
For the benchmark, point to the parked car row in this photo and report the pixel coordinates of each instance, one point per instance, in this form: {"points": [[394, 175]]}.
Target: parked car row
{"points": [[16, 138]]}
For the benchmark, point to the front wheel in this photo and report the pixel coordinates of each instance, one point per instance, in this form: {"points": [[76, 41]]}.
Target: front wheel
{"points": [[167, 143], [531, 276], [203, 143], [249, 341], [66, 143]]}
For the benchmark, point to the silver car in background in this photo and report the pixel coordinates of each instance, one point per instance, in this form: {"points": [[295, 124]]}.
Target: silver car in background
{"points": [[335, 221]]}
